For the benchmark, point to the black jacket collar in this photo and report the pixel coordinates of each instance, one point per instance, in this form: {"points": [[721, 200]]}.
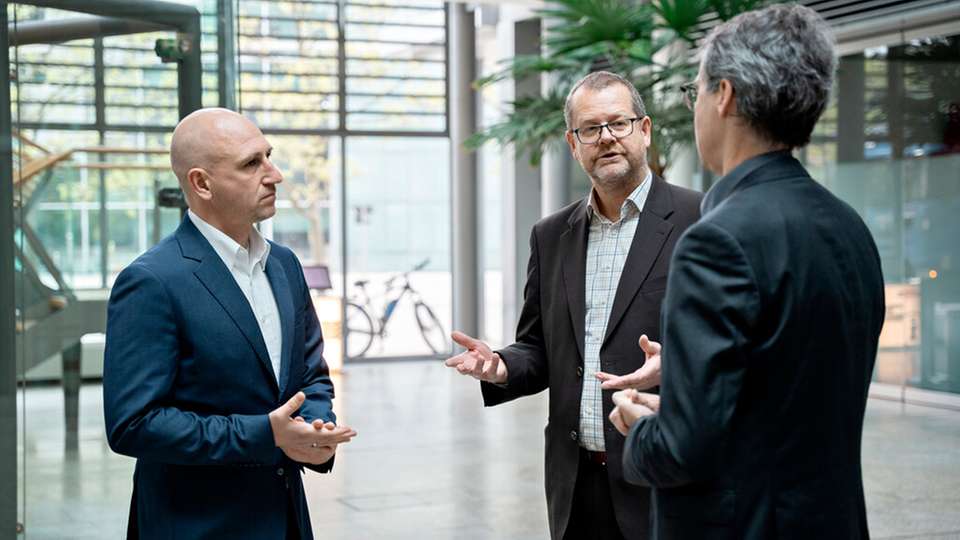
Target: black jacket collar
{"points": [[776, 164]]}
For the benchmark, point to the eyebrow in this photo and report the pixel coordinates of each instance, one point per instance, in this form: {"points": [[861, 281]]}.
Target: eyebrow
{"points": [[250, 157], [594, 122]]}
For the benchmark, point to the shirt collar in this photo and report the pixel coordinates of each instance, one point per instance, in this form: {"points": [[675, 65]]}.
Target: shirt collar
{"points": [[232, 253], [637, 199]]}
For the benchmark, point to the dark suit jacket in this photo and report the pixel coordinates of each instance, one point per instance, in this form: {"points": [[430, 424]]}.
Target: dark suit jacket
{"points": [[187, 387], [550, 338], [771, 321]]}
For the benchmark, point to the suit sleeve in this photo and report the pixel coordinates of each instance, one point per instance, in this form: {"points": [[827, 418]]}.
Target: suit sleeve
{"points": [[141, 360], [711, 304], [526, 360], [317, 385]]}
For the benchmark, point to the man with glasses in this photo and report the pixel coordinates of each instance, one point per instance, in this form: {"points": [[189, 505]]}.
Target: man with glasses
{"points": [[773, 313], [595, 281]]}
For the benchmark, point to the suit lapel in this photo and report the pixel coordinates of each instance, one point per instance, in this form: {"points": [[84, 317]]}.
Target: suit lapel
{"points": [[652, 232], [219, 282], [284, 299], [574, 270]]}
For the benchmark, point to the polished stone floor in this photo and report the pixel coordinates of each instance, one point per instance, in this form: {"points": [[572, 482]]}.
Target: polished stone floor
{"points": [[430, 463]]}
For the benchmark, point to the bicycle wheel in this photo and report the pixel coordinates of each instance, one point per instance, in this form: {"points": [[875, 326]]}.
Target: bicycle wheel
{"points": [[431, 329], [359, 331]]}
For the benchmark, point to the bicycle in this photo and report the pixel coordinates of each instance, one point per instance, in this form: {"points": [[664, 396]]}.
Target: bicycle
{"points": [[362, 328]]}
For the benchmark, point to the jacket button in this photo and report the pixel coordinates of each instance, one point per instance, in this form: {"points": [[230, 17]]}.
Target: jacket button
{"points": [[579, 371], [280, 472], [573, 435]]}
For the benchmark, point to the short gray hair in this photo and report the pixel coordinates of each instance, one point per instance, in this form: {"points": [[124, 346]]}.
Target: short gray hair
{"points": [[598, 80], [780, 61]]}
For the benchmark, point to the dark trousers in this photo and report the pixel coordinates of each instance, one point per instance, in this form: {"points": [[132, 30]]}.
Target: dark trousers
{"points": [[592, 516]]}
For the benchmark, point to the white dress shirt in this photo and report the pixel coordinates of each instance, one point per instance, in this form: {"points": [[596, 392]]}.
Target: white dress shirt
{"points": [[607, 247], [248, 268]]}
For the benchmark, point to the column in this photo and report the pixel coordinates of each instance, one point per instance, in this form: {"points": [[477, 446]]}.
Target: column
{"points": [[521, 181], [463, 123]]}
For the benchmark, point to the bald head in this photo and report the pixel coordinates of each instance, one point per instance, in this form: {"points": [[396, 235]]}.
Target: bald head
{"points": [[223, 163], [205, 137]]}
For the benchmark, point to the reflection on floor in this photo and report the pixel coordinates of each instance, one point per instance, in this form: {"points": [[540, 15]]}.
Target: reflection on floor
{"points": [[430, 462]]}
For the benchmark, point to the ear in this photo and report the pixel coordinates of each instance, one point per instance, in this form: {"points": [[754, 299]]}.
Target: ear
{"points": [[726, 99], [199, 183], [572, 143], [646, 130]]}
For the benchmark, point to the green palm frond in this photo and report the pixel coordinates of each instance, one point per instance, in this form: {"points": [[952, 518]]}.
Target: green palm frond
{"points": [[681, 16], [520, 67], [583, 23], [534, 122]]}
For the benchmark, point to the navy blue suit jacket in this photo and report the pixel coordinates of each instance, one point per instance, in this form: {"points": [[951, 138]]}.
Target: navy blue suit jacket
{"points": [[188, 385]]}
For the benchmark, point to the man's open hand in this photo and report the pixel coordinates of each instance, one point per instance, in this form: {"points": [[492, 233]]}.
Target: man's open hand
{"points": [[478, 360], [644, 378]]}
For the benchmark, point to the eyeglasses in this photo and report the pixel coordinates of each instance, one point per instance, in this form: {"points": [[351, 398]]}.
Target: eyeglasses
{"points": [[689, 91], [618, 129]]}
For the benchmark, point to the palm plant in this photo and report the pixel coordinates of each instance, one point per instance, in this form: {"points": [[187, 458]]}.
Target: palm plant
{"points": [[648, 43]]}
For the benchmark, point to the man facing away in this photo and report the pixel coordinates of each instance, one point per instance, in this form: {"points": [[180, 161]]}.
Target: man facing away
{"points": [[772, 314], [595, 281], [214, 377]]}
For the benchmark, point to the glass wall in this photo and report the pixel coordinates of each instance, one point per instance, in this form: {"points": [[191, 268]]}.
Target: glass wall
{"points": [[352, 95], [91, 127], [398, 255], [889, 145]]}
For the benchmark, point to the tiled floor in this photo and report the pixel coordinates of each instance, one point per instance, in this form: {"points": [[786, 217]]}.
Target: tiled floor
{"points": [[431, 463]]}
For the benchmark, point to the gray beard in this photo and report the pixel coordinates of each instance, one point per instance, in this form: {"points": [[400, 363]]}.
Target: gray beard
{"points": [[618, 182]]}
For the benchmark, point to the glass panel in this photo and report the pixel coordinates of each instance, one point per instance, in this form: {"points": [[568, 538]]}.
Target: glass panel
{"points": [[144, 76], [288, 64], [139, 167], [310, 167], [97, 209], [84, 207], [62, 208], [139, 89], [398, 247], [56, 80], [307, 221], [890, 146], [396, 67], [427, 14]]}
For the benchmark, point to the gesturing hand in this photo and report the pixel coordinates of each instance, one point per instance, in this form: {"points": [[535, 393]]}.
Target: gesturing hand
{"points": [[478, 360], [312, 443], [319, 454], [630, 406], [644, 378]]}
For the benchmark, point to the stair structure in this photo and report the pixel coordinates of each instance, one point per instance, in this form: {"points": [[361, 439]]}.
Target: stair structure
{"points": [[52, 317]]}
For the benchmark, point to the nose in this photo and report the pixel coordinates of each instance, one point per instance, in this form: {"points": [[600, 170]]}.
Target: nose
{"points": [[274, 176], [606, 134]]}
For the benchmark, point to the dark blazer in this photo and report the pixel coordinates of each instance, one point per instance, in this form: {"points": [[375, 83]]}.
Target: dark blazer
{"points": [[187, 387], [550, 338], [771, 321]]}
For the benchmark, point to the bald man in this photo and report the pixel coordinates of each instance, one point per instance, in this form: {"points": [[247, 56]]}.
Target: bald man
{"points": [[214, 377]]}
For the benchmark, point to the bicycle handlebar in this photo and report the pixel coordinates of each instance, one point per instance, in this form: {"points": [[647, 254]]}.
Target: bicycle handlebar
{"points": [[420, 266]]}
